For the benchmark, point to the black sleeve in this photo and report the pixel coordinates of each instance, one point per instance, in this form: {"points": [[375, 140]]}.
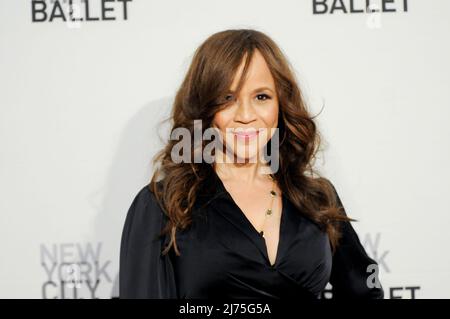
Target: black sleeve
{"points": [[144, 272], [350, 276]]}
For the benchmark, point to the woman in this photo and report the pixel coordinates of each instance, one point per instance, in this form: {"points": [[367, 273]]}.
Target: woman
{"points": [[242, 225]]}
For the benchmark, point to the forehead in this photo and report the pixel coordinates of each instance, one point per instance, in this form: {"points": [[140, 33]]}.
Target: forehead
{"points": [[258, 74]]}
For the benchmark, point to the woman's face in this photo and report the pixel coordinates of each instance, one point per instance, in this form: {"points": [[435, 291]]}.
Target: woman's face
{"points": [[247, 123]]}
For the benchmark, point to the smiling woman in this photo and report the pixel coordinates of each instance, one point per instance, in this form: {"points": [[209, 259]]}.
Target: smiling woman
{"points": [[253, 113], [242, 228]]}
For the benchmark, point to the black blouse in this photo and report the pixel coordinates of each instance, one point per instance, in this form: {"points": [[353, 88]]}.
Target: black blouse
{"points": [[224, 256]]}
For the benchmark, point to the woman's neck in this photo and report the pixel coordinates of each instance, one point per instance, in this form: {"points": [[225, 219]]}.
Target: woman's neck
{"points": [[246, 173]]}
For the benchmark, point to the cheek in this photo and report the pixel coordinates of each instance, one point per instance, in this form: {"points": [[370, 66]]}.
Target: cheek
{"points": [[221, 120], [270, 116], [217, 122]]}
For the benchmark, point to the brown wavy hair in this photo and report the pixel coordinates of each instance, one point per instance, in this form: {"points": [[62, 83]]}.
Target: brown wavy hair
{"points": [[200, 96]]}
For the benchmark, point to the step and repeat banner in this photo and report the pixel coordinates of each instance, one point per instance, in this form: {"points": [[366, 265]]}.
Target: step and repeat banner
{"points": [[85, 86]]}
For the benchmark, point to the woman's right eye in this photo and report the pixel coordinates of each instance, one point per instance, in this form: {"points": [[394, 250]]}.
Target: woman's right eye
{"points": [[229, 97]]}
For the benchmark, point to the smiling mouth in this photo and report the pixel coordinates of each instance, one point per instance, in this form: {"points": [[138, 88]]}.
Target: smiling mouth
{"points": [[246, 135]]}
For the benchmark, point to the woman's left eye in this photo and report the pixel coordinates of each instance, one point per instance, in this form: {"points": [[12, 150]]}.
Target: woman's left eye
{"points": [[262, 97]]}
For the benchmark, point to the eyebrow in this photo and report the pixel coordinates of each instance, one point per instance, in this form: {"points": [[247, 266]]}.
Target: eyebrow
{"points": [[262, 88]]}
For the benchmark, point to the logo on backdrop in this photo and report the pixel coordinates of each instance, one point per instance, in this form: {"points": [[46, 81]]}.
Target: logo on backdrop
{"points": [[74, 271], [76, 12], [372, 245], [373, 248], [358, 6]]}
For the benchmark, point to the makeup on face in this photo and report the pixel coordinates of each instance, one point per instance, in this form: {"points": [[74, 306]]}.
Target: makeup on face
{"points": [[246, 134]]}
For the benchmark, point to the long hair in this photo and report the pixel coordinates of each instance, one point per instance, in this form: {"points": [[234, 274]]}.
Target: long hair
{"points": [[200, 96]]}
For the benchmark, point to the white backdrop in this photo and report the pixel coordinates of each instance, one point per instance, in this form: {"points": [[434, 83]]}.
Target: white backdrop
{"points": [[80, 103]]}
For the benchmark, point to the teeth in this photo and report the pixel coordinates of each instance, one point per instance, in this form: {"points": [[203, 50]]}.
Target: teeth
{"points": [[248, 131]]}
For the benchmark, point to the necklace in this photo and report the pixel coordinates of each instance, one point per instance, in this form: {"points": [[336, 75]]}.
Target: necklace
{"points": [[269, 210]]}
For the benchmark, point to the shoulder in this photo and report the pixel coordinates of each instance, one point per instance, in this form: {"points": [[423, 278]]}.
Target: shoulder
{"points": [[331, 188], [144, 219], [143, 271], [142, 196], [143, 201]]}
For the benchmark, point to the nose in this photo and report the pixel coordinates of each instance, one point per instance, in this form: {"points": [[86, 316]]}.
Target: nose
{"points": [[245, 112]]}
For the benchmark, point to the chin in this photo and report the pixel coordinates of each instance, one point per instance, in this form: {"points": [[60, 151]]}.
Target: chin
{"points": [[245, 159], [249, 156], [245, 152]]}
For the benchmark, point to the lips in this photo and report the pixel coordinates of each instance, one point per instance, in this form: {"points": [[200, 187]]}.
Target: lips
{"points": [[246, 134]]}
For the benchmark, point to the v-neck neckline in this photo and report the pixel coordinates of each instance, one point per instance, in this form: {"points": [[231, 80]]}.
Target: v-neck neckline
{"points": [[241, 220]]}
